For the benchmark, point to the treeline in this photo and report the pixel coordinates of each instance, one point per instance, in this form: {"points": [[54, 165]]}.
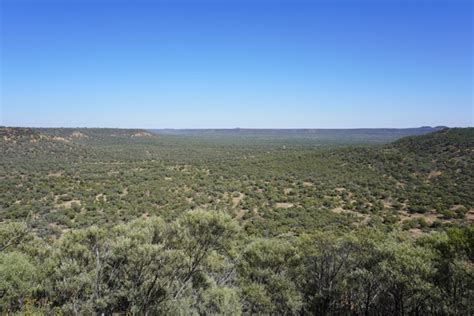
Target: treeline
{"points": [[204, 263]]}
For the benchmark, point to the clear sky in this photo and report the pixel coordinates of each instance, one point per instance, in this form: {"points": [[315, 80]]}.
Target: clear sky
{"points": [[226, 64]]}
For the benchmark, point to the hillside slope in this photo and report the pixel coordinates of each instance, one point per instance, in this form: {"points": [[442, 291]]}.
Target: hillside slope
{"points": [[437, 166]]}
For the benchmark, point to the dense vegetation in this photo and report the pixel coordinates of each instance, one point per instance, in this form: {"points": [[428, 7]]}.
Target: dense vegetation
{"points": [[108, 220]]}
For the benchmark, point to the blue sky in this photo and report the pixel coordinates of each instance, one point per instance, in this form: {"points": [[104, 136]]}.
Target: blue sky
{"points": [[256, 64]]}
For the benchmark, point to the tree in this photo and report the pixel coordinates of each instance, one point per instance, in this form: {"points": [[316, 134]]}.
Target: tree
{"points": [[265, 277], [19, 280]]}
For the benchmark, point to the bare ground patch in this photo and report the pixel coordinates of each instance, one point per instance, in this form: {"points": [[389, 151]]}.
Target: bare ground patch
{"points": [[434, 174], [237, 199], [470, 216], [340, 210], [79, 135], [100, 197], [55, 174], [240, 213], [284, 205], [142, 134], [68, 204], [124, 192]]}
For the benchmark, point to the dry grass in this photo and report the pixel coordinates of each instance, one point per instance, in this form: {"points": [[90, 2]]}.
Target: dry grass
{"points": [[415, 232]]}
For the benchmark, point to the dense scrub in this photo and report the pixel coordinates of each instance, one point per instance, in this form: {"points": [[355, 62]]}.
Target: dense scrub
{"points": [[203, 263], [107, 220]]}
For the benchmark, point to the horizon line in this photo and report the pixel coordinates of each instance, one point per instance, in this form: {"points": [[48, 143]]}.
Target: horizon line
{"points": [[235, 128]]}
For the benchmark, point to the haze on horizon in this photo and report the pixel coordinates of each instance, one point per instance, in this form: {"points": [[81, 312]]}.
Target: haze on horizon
{"points": [[262, 64]]}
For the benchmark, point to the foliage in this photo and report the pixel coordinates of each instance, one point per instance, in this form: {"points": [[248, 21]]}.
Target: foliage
{"points": [[103, 221]]}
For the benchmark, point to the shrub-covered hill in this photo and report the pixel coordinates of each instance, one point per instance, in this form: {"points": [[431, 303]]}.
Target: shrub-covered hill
{"points": [[13, 135], [17, 144], [95, 134], [69, 144], [454, 141], [436, 170], [424, 180]]}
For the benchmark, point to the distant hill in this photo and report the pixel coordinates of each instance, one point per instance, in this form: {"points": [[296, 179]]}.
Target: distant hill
{"points": [[19, 140], [71, 143], [72, 132], [360, 135], [32, 143], [67, 135], [95, 132], [84, 135]]}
